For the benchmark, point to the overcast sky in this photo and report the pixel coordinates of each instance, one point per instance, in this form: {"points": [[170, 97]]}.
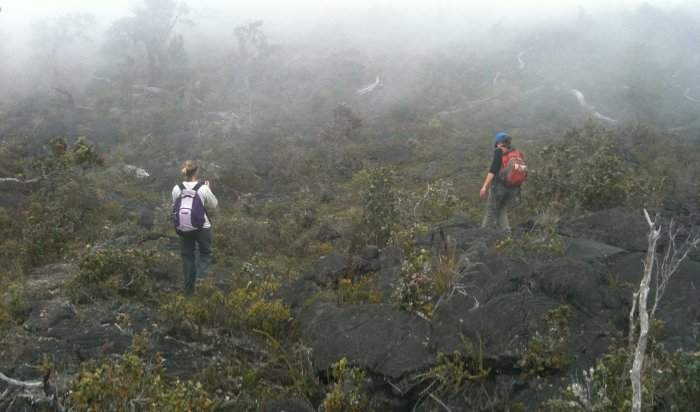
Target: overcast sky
{"points": [[292, 20], [26, 11]]}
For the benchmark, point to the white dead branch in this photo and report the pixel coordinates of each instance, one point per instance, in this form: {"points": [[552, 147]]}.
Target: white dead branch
{"points": [[533, 90], [661, 268], [495, 79], [20, 384], [136, 171], [582, 101], [105, 79], [521, 63], [226, 120], [687, 95], [209, 165], [14, 179], [369, 88], [225, 117], [470, 105], [604, 118], [35, 391], [147, 90]]}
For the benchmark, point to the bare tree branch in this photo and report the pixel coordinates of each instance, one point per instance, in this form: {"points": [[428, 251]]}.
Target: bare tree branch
{"points": [[21, 384], [14, 179], [661, 270]]}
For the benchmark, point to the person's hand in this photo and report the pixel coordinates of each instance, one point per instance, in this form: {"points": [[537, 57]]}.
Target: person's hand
{"points": [[482, 192]]}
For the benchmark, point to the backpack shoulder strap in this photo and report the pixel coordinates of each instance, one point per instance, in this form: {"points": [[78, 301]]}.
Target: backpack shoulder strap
{"points": [[181, 186], [195, 188]]}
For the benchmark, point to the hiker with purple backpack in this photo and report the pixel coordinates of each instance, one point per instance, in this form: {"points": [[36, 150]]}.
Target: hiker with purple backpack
{"points": [[502, 184], [191, 200]]}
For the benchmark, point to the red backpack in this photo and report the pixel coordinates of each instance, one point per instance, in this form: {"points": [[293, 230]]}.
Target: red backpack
{"points": [[513, 171]]}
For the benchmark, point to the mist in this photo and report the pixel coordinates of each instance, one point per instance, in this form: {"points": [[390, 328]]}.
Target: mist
{"points": [[617, 62], [353, 150]]}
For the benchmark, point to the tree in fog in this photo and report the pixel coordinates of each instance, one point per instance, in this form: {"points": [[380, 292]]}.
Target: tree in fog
{"points": [[145, 44], [252, 50], [50, 40]]}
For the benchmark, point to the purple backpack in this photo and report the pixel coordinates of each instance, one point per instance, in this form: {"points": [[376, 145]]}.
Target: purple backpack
{"points": [[188, 210]]}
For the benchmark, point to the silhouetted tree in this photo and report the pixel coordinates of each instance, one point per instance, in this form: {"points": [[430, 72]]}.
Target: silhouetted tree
{"points": [[50, 39], [149, 35]]}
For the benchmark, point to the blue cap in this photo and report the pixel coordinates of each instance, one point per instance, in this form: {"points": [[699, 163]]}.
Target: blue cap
{"points": [[500, 137]]}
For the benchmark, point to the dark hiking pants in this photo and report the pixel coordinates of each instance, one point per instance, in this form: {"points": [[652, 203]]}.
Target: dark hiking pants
{"points": [[500, 196], [192, 267]]}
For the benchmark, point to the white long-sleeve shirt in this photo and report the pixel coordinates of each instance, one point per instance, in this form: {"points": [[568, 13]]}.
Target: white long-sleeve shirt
{"points": [[208, 199]]}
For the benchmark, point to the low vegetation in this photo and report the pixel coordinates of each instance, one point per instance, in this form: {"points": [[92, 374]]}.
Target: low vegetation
{"points": [[302, 177]]}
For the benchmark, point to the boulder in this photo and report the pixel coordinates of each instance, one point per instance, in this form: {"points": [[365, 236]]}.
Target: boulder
{"points": [[377, 338], [581, 284], [331, 267], [50, 277], [326, 232], [456, 235], [46, 314], [678, 307], [582, 248], [496, 331], [337, 265], [616, 227]]}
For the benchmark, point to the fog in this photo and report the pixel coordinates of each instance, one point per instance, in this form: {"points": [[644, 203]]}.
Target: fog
{"points": [[623, 61]]}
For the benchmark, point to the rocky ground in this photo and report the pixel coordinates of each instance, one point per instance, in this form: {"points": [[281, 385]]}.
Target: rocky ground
{"points": [[494, 312]]}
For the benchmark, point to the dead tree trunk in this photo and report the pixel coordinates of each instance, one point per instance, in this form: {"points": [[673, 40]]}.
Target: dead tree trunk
{"points": [[660, 268]]}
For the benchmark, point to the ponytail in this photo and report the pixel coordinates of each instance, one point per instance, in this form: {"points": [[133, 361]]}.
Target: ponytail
{"points": [[189, 169]]}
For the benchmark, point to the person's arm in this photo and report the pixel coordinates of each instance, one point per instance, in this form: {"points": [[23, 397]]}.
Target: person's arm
{"points": [[487, 183], [209, 200], [493, 170], [176, 193]]}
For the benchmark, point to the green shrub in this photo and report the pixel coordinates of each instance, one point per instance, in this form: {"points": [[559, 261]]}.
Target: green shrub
{"points": [[112, 272], [547, 353], [670, 382], [346, 394], [684, 392], [13, 304], [356, 292], [85, 155], [61, 157], [453, 371], [380, 214], [542, 238], [415, 290], [135, 385], [52, 219], [183, 315], [425, 279], [589, 171], [303, 216], [249, 307], [239, 237], [10, 224], [436, 202]]}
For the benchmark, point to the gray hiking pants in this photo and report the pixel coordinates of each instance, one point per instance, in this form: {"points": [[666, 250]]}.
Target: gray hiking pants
{"points": [[191, 267], [500, 196]]}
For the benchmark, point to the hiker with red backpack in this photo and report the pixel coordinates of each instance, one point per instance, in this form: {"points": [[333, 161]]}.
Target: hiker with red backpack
{"points": [[506, 174], [191, 200]]}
